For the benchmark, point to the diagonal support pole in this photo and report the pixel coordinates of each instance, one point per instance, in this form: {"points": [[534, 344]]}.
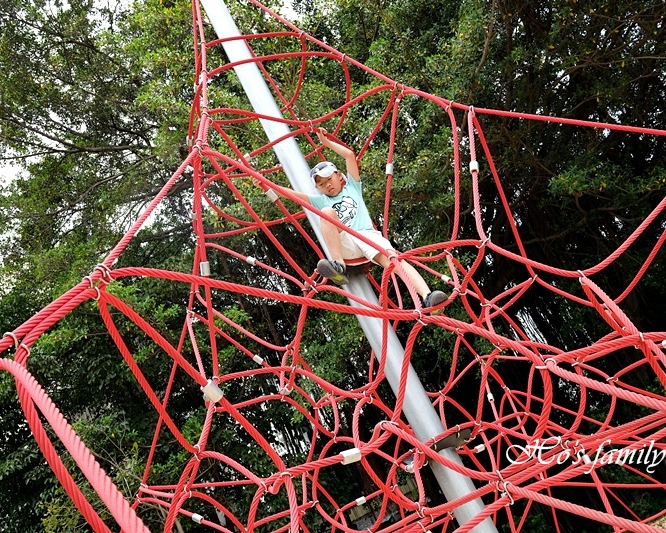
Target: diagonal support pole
{"points": [[417, 407]]}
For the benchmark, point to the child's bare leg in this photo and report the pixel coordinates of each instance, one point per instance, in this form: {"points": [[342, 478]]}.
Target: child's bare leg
{"points": [[412, 274], [430, 299], [331, 234]]}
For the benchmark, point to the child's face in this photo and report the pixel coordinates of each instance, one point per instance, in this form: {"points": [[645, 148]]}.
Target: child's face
{"points": [[330, 186]]}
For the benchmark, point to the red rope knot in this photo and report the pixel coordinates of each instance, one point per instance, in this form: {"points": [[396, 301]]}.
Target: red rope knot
{"points": [[275, 486], [390, 422], [483, 243]]}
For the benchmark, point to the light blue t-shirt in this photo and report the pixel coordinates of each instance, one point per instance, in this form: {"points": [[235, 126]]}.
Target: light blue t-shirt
{"points": [[348, 204]]}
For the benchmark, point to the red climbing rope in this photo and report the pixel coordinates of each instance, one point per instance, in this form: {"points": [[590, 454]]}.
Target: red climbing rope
{"points": [[526, 448]]}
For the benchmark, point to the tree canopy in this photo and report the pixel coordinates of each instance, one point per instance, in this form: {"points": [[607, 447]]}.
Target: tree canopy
{"points": [[94, 110]]}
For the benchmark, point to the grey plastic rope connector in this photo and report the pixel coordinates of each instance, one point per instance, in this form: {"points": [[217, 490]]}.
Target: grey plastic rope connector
{"points": [[258, 359], [389, 168], [445, 278], [220, 517], [197, 518], [272, 195], [361, 500], [479, 448], [353, 455], [473, 166], [204, 269], [212, 391]]}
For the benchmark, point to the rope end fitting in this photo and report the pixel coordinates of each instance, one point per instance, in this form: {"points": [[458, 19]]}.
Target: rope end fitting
{"points": [[473, 166], [353, 455]]}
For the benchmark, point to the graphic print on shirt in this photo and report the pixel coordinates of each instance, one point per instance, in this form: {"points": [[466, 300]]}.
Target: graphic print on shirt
{"points": [[346, 210]]}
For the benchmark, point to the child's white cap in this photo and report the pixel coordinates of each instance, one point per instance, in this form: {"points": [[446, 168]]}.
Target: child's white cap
{"points": [[325, 169]]}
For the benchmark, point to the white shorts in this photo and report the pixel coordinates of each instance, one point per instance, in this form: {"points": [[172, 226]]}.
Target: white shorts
{"points": [[353, 247]]}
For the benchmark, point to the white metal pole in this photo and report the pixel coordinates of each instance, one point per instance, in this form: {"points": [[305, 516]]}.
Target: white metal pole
{"points": [[417, 407]]}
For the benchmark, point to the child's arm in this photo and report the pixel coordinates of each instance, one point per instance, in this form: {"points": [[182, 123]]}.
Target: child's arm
{"points": [[279, 190], [348, 155]]}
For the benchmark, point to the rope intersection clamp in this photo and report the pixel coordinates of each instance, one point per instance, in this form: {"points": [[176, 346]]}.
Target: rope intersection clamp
{"points": [[16, 341], [271, 195], [504, 490], [212, 391], [106, 273]]}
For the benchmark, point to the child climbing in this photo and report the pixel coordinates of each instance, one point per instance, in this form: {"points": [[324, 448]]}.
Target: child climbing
{"points": [[341, 198]]}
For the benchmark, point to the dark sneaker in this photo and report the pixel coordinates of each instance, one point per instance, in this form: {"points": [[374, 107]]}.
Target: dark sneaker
{"points": [[434, 299], [334, 271]]}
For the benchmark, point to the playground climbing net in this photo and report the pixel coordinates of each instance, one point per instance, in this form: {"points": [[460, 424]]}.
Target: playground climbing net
{"points": [[524, 451]]}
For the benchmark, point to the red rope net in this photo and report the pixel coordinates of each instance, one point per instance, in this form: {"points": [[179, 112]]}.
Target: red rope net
{"points": [[522, 456]]}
